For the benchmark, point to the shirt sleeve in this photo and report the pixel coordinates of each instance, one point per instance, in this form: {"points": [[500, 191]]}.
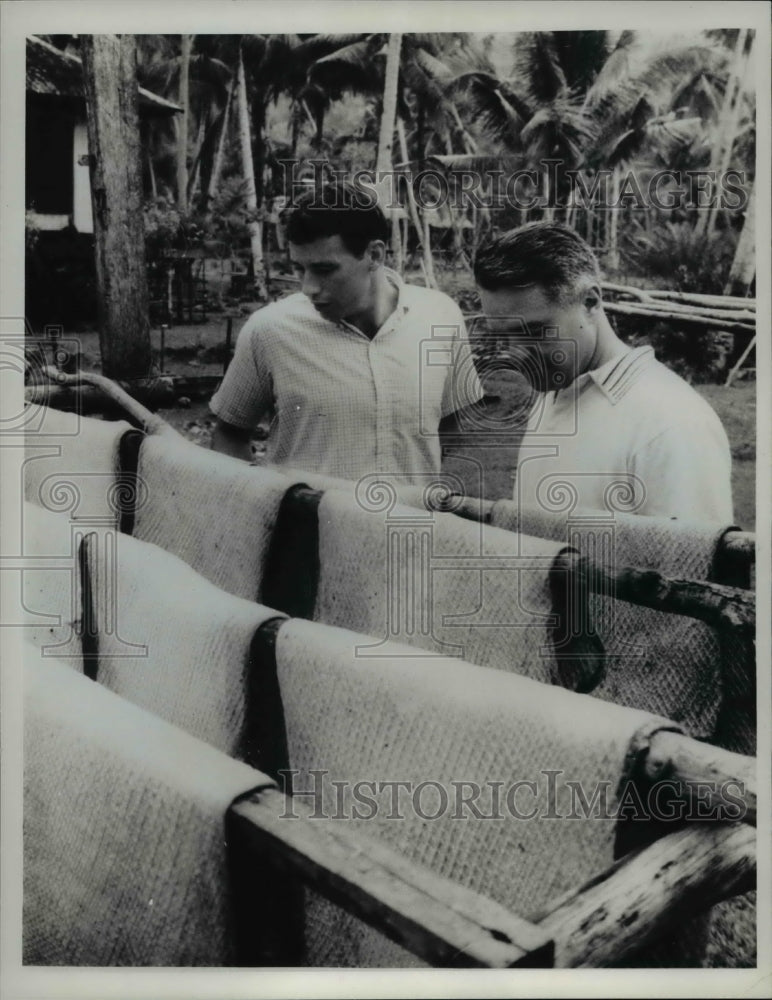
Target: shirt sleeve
{"points": [[687, 473], [246, 391], [462, 386]]}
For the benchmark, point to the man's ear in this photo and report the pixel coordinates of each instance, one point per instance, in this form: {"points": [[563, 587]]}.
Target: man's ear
{"points": [[376, 252], [592, 300]]}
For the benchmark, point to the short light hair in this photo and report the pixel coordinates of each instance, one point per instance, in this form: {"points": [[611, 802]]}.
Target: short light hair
{"points": [[547, 254]]}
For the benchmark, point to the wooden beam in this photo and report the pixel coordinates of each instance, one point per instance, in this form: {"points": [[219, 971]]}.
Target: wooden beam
{"points": [[692, 298], [712, 603], [643, 895], [714, 780], [737, 546], [110, 393], [442, 923], [110, 88], [707, 322]]}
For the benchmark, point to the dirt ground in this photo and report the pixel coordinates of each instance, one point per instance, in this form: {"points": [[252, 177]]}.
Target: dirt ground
{"points": [[199, 350]]}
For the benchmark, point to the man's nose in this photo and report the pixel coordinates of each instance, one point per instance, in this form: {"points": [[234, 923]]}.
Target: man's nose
{"points": [[309, 286]]}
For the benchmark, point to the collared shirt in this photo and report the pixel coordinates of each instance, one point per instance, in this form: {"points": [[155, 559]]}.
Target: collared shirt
{"points": [[629, 436], [347, 405]]}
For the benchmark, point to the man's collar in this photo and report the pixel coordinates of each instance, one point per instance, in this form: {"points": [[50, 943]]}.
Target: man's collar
{"points": [[617, 376], [402, 306]]}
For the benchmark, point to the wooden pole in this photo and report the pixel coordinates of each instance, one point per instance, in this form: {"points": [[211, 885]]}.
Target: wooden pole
{"points": [[640, 897], [626, 309], [704, 774], [712, 603], [713, 301], [110, 86], [443, 923], [151, 423]]}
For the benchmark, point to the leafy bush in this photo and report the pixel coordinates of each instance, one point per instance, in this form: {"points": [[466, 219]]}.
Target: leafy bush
{"points": [[679, 257]]}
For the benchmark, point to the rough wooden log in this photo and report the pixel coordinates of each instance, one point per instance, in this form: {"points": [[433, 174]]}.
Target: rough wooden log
{"points": [[443, 923], [644, 894], [113, 393], [688, 298], [712, 603], [713, 780], [110, 88], [737, 546], [728, 325], [725, 315]]}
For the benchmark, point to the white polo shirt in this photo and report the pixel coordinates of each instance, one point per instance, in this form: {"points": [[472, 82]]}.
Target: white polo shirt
{"points": [[631, 435], [346, 405]]}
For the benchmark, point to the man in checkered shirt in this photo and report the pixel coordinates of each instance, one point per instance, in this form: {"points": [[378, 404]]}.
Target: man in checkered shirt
{"points": [[358, 368]]}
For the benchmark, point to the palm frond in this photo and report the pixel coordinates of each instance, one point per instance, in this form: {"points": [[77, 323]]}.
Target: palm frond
{"points": [[481, 164]]}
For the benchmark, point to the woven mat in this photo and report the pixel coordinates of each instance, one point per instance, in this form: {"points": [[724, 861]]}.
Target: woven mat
{"points": [[441, 720], [213, 511], [50, 596], [178, 645], [403, 575], [666, 664], [71, 463], [687, 671], [124, 854], [376, 485]]}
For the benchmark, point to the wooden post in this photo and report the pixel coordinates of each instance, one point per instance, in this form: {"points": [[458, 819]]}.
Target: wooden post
{"points": [[442, 922], [110, 86], [640, 897]]}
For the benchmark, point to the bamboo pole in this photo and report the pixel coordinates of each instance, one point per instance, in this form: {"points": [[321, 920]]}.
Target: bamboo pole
{"points": [[644, 894], [713, 301], [700, 312], [707, 322]]}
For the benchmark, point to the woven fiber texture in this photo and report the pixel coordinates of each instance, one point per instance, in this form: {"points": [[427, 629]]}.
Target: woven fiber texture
{"points": [[432, 580], [663, 663], [50, 596], [124, 854], [172, 642], [71, 463], [439, 721], [213, 511], [411, 495], [686, 670]]}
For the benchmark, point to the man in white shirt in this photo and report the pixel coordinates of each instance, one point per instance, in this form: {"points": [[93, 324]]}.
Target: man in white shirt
{"points": [[358, 367], [612, 428]]}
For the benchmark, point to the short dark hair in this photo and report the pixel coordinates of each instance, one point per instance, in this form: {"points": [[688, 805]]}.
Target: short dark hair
{"points": [[338, 209], [548, 254]]}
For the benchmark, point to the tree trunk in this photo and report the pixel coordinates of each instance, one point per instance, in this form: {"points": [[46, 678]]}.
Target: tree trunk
{"points": [[431, 281], [612, 259], [724, 136], [110, 88], [151, 172], [744, 263], [389, 114], [214, 180], [194, 178], [182, 125], [731, 129], [248, 171]]}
